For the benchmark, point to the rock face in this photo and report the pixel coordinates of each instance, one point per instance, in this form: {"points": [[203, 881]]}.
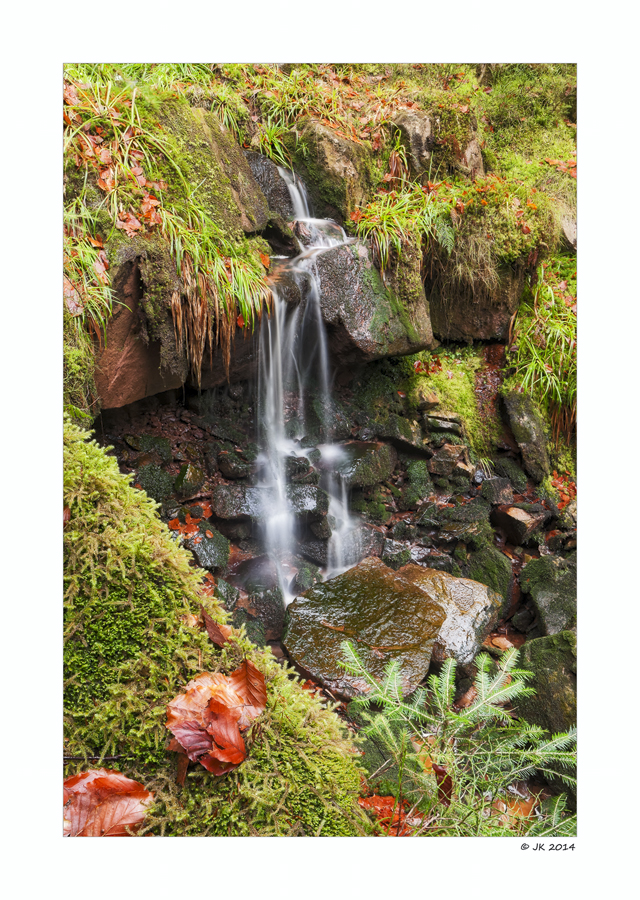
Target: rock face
{"points": [[528, 431], [388, 617], [367, 463], [472, 610], [551, 582], [271, 183], [457, 315], [517, 524], [365, 320]]}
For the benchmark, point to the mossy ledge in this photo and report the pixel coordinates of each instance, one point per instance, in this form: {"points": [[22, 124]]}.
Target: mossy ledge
{"points": [[129, 650]]}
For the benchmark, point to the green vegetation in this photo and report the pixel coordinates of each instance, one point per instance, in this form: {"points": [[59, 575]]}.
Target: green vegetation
{"points": [[456, 766], [129, 648]]}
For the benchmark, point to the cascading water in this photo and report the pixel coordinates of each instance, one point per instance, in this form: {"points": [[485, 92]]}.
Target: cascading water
{"points": [[294, 360]]}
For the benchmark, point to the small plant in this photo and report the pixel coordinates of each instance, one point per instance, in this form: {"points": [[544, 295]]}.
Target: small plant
{"points": [[457, 766]]}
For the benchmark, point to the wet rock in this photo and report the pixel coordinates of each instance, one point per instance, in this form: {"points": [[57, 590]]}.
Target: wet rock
{"points": [[315, 551], [517, 524], [236, 501], [146, 443], [307, 501], [444, 460], [551, 582], [366, 463], [271, 183], [471, 612], [321, 529], [553, 662], [396, 553], [227, 593], [266, 607], [189, 480], [462, 474], [157, 483], [210, 552], [467, 522], [474, 316], [497, 491], [365, 320], [232, 465], [387, 616], [421, 133], [528, 430], [306, 576], [419, 486], [371, 541]]}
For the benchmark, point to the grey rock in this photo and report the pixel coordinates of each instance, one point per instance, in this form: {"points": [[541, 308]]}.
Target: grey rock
{"points": [[517, 524], [551, 582], [497, 491], [528, 430], [210, 552]]}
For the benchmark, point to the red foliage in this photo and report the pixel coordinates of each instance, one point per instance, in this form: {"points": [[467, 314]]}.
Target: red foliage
{"points": [[103, 803]]}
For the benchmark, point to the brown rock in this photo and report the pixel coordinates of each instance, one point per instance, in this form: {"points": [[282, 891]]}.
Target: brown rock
{"points": [[444, 460], [517, 524]]}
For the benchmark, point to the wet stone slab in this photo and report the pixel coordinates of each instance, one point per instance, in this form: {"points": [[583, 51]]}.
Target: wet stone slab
{"points": [[385, 615]]}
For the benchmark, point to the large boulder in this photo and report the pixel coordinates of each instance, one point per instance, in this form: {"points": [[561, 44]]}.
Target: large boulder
{"points": [[528, 430], [386, 615], [271, 183], [472, 610], [366, 463], [365, 319], [459, 313]]}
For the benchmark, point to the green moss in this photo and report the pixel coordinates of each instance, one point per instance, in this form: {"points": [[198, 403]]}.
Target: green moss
{"points": [[128, 653], [79, 387], [157, 483], [491, 567]]}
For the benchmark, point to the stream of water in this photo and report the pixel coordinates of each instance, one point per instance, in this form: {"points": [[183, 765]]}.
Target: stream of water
{"points": [[294, 377]]}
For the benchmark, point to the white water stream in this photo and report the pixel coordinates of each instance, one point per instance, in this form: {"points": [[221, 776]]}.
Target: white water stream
{"points": [[294, 370]]}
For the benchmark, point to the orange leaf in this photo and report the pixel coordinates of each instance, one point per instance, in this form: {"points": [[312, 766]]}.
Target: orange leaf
{"points": [[248, 682], [174, 524], [240, 321], [219, 634], [208, 533], [128, 223], [266, 261], [103, 803]]}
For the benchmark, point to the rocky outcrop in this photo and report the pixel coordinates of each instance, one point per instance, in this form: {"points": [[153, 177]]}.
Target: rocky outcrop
{"points": [[553, 663], [388, 616], [551, 582], [366, 320], [460, 314], [421, 132]]}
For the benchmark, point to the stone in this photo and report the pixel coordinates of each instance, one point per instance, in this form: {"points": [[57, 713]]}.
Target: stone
{"points": [[432, 423], [528, 430], [371, 541], [420, 133], [315, 551], [271, 183], [552, 660], [459, 314], [188, 481], [551, 582], [471, 608], [497, 491], [510, 469], [385, 615], [308, 501], [366, 463], [396, 553], [232, 465], [268, 609], [157, 483], [150, 443], [467, 522], [444, 460], [427, 400], [570, 232], [491, 567], [210, 552], [236, 501], [403, 431], [365, 319], [516, 524]]}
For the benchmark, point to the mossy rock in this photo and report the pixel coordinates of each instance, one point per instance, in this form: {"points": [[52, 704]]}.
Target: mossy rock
{"points": [[551, 582], [493, 568], [510, 469], [129, 650], [552, 659], [157, 483], [528, 429]]}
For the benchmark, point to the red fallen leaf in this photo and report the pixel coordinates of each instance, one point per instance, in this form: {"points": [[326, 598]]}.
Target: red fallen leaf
{"points": [[157, 185], [72, 299], [460, 206], [106, 180], [401, 394], [266, 261], [128, 223], [463, 109], [240, 321], [100, 267], [70, 95], [103, 803], [219, 634], [197, 540], [248, 682], [174, 524], [66, 515], [356, 215], [562, 286], [445, 784], [525, 228], [138, 174], [95, 242], [189, 529], [104, 155]]}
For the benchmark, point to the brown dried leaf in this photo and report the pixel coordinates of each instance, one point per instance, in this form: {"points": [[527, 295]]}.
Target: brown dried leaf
{"points": [[72, 298], [248, 682], [128, 223], [219, 634], [103, 803]]}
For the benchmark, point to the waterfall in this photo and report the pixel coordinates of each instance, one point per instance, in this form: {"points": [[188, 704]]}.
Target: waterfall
{"points": [[294, 362]]}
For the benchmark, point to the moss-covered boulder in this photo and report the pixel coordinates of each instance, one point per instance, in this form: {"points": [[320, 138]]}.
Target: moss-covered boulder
{"points": [[528, 430], [367, 320], [493, 568], [472, 610], [552, 660], [551, 582], [387, 615], [366, 463], [131, 596], [210, 548]]}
